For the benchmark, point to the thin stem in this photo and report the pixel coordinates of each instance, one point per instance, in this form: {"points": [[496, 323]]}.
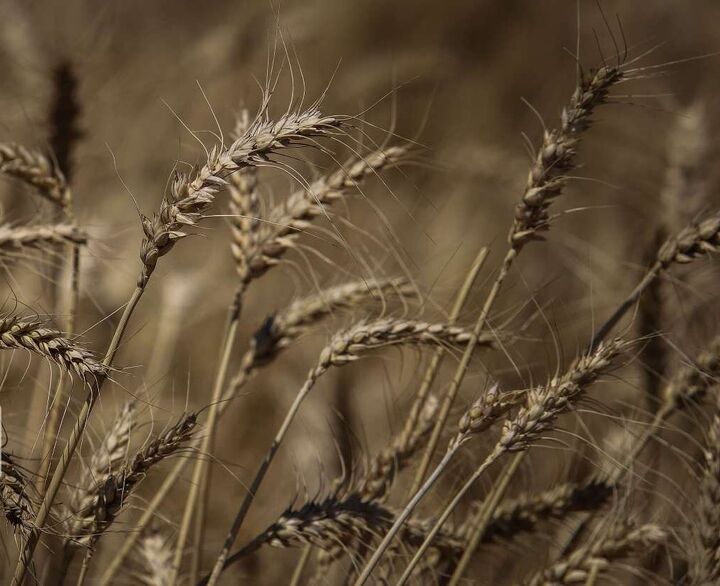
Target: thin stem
{"points": [[457, 379], [484, 516], [84, 568], [437, 359], [197, 497], [72, 443], [623, 308], [259, 476], [406, 512], [56, 409], [302, 562], [494, 455]]}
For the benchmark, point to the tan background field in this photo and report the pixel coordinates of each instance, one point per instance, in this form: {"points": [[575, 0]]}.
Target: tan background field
{"points": [[466, 79]]}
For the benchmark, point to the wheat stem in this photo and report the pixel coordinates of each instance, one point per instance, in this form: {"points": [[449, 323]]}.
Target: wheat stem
{"points": [[485, 515], [459, 375], [197, 497]]}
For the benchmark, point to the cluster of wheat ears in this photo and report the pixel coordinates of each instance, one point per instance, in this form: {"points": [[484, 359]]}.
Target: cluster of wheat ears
{"points": [[70, 503]]}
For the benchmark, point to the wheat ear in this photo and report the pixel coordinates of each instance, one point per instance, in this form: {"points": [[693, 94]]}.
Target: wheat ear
{"points": [[113, 491], [184, 206], [155, 551], [104, 462], [24, 333], [694, 241], [546, 181], [333, 522]]}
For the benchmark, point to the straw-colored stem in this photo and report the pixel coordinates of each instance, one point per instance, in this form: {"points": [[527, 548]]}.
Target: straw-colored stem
{"points": [[72, 443], [197, 498], [406, 512], [257, 480], [56, 409], [300, 567], [439, 354], [623, 308], [480, 523], [451, 394], [84, 568], [494, 455]]}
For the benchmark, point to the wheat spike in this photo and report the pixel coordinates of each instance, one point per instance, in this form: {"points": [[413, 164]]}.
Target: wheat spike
{"points": [[30, 334]]}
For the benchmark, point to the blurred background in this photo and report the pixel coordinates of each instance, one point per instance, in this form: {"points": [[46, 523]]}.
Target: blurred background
{"points": [[471, 81]]}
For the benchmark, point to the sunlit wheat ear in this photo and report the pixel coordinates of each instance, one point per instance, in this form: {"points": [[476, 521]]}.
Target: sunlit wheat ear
{"points": [[37, 170], [705, 527], [376, 482], [621, 541], [190, 196], [15, 238], [25, 333], [15, 503], [155, 553], [556, 156], [525, 512], [106, 460], [285, 222]]}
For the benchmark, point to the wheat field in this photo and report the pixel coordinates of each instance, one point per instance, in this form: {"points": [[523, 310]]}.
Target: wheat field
{"points": [[328, 292]]}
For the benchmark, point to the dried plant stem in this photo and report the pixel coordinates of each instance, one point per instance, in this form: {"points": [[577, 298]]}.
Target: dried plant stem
{"points": [[257, 480], [459, 375], [438, 355], [410, 507], [623, 308], [197, 498], [300, 567], [63, 387], [480, 523], [72, 443]]}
